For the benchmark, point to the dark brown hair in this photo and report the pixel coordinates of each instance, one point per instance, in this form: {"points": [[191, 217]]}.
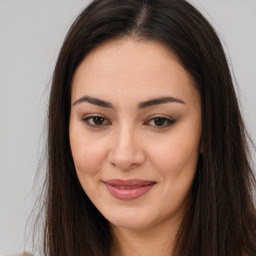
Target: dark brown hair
{"points": [[221, 220]]}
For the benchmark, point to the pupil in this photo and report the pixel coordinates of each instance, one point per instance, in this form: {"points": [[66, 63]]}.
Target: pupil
{"points": [[98, 120], [159, 121]]}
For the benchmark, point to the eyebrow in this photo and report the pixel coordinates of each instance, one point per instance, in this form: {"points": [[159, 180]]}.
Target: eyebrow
{"points": [[94, 101], [144, 104], [159, 101]]}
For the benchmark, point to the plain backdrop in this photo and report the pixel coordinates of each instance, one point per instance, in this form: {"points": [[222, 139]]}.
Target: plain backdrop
{"points": [[31, 34]]}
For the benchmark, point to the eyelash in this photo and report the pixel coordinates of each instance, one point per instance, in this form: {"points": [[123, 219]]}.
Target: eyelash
{"points": [[165, 121], [87, 121]]}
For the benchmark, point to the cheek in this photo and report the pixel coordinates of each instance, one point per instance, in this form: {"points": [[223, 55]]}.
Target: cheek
{"points": [[176, 156], [88, 156], [176, 162], [88, 153]]}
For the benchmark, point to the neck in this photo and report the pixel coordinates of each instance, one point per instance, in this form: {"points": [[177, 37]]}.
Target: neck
{"points": [[159, 240]]}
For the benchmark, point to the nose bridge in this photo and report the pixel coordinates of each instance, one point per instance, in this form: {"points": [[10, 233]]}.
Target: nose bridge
{"points": [[125, 137], [126, 150]]}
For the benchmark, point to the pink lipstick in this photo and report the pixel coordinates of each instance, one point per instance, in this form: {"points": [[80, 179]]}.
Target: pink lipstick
{"points": [[128, 189]]}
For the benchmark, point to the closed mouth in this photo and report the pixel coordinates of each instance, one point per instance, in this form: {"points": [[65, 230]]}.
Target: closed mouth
{"points": [[128, 189]]}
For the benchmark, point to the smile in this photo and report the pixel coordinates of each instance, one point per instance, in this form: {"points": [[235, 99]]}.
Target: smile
{"points": [[128, 189]]}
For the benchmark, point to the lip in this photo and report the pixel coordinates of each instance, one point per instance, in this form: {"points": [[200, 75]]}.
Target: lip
{"points": [[128, 189]]}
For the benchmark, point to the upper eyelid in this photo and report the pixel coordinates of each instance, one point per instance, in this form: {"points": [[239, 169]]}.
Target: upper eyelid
{"points": [[167, 118], [160, 116], [92, 116]]}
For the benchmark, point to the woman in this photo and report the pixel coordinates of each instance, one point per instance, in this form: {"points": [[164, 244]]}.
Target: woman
{"points": [[147, 150]]}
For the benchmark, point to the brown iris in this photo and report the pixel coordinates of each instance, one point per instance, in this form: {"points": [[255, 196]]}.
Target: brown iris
{"points": [[98, 120], [159, 121]]}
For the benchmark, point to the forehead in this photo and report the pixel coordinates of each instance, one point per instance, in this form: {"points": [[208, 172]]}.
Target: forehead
{"points": [[134, 70]]}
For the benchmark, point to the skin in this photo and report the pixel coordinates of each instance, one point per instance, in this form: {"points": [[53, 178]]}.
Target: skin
{"points": [[130, 143]]}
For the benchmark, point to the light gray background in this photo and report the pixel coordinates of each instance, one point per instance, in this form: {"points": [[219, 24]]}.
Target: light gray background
{"points": [[31, 33]]}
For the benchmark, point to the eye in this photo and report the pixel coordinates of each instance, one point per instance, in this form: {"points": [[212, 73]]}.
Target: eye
{"points": [[96, 121], [160, 122]]}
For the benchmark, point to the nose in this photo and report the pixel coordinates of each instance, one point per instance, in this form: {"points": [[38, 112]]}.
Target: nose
{"points": [[126, 149]]}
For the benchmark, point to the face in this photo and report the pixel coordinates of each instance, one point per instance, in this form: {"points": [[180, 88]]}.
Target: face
{"points": [[135, 127]]}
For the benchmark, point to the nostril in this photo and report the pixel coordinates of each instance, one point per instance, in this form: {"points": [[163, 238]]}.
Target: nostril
{"points": [[125, 152], [122, 163], [126, 161]]}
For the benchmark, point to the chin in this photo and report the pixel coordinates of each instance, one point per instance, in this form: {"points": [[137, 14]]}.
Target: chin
{"points": [[130, 220], [130, 224]]}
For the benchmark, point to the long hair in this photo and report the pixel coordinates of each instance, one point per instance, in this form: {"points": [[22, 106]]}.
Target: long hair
{"points": [[221, 220]]}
